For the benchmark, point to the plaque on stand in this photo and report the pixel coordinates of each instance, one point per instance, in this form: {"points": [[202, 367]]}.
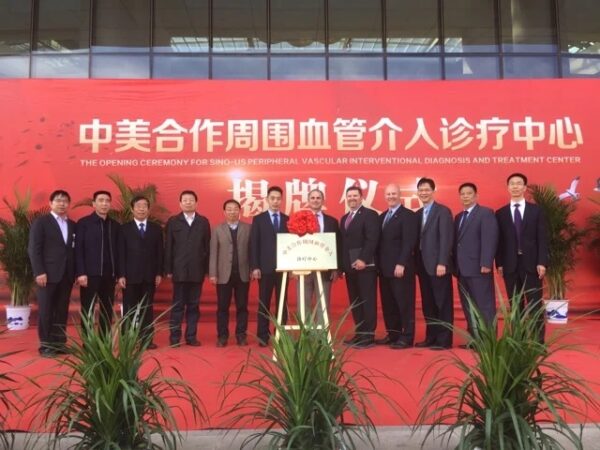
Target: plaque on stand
{"points": [[302, 256]]}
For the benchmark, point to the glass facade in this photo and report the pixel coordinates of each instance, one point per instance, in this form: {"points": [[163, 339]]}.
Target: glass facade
{"points": [[300, 39]]}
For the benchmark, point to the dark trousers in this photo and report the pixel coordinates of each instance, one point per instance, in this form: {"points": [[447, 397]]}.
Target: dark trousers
{"points": [[141, 293], [398, 305], [100, 289], [480, 289], [266, 285], [311, 289], [362, 294], [53, 311], [438, 307], [186, 300], [239, 290], [531, 286]]}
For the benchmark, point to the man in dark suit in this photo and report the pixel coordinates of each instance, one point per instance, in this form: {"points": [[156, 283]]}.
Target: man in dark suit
{"points": [[359, 230], [96, 258], [396, 262], [140, 263], [522, 255], [229, 270], [53, 261], [475, 243], [327, 224], [263, 259], [187, 250], [434, 267]]}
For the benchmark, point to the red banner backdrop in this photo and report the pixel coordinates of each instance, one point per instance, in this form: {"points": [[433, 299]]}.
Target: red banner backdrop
{"points": [[234, 139]]}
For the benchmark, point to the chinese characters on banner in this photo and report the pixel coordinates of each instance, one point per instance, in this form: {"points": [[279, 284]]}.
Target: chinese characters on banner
{"points": [[342, 135]]}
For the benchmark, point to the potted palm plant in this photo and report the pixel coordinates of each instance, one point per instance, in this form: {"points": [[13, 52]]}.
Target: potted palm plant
{"points": [[564, 237], [111, 396], [14, 237], [513, 394], [304, 394]]}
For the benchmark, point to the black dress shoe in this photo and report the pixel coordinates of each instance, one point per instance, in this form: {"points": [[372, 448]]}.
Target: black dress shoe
{"points": [[440, 347], [385, 341], [242, 341], [364, 343], [423, 344], [47, 353], [152, 346], [263, 343], [400, 345], [221, 342], [174, 344], [194, 343]]}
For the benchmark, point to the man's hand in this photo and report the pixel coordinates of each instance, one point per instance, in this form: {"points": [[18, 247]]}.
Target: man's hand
{"points": [[440, 270], [82, 280], [122, 282], [541, 270], [256, 274], [213, 280], [157, 280], [41, 280], [485, 269], [169, 276], [500, 270], [399, 271], [359, 264]]}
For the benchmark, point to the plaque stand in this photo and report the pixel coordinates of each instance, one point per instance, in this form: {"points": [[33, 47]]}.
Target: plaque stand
{"points": [[320, 303]]}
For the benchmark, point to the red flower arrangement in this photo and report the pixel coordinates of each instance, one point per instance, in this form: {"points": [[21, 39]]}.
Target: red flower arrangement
{"points": [[303, 222]]}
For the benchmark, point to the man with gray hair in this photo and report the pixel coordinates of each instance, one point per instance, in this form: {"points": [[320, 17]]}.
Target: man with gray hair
{"points": [[327, 224]]}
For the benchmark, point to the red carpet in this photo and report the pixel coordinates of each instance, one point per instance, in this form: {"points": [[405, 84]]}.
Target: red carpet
{"points": [[205, 367]]}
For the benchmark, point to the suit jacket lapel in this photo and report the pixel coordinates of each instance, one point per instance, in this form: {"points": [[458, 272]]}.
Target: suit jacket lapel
{"points": [[432, 213], [468, 221]]}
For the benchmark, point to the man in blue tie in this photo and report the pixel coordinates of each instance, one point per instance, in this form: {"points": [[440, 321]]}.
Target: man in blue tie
{"points": [[475, 243], [263, 259], [522, 255], [396, 263], [434, 260]]}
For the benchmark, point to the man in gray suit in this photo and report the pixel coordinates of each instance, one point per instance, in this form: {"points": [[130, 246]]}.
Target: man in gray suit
{"points": [[229, 270], [476, 240], [434, 267]]}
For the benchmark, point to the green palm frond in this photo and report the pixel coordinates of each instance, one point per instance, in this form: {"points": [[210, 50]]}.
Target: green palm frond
{"points": [[564, 238], [121, 210], [14, 238]]}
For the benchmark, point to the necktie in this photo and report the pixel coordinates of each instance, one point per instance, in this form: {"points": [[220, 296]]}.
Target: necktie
{"points": [[425, 213], [317, 215], [387, 218], [276, 222], [463, 219], [518, 225], [349, 220], [142, 230]]}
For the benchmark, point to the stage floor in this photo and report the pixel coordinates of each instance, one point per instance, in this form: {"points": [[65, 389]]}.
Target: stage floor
{"points": [[205, 367]]}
